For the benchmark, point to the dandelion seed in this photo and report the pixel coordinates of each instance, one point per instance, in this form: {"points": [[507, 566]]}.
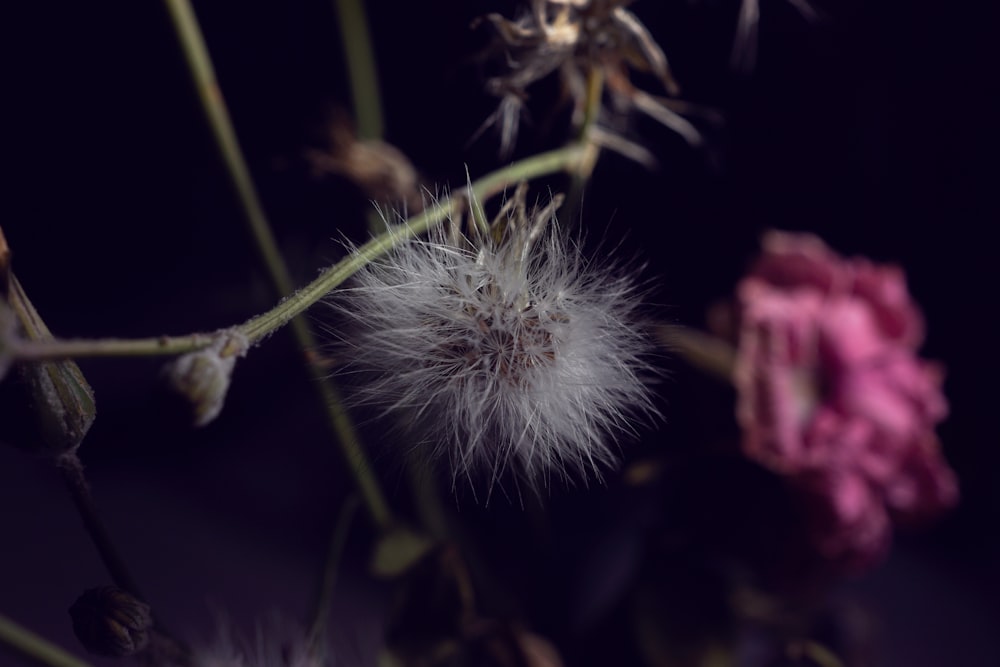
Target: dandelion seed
{"points": [[504, 345]]}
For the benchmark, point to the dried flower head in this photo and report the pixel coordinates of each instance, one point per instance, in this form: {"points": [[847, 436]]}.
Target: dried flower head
{"points": [[504, 344], [381, 171], [109, 621], [585, 41]]}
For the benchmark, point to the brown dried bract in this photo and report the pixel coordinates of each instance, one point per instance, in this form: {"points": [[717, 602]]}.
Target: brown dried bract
{"points": [[379, 169], [585, 40]]}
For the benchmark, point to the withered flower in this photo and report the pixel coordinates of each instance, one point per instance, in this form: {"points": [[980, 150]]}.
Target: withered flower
{"points": [[381, 171], [592, 44], [109, 621]]}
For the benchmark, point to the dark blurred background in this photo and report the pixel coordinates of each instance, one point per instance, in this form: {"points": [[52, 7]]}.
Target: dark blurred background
{"points": [[872, 128]]}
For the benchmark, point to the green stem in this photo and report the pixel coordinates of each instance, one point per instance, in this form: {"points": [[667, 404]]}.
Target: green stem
{"points": [[47, 350], [258, 328], [36, 648], [335, 553], [570, 213], [361, 68], [214, 106]]}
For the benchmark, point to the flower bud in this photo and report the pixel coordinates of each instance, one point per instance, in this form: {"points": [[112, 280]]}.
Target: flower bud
{"points": [[108, 621], [202, 377]]}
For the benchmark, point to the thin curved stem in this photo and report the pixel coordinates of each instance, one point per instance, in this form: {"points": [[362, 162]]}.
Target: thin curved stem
{"points": [[334, 556], [214, 104], [72, 473], [261, 326]]}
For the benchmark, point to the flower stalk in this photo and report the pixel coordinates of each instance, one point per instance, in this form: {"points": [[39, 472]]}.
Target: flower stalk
{"points": [[260, 327]]}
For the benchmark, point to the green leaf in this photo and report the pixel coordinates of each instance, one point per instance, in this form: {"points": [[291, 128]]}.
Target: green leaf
{"points": [[397, 551]]}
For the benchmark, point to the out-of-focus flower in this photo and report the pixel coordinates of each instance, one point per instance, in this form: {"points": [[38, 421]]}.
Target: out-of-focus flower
{"points": [[586, 41], [379, 169], [831, 392], [506, 345]]}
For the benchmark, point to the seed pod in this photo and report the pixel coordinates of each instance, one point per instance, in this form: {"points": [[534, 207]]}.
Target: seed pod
{"points": [[51, 408], [108, 621]]}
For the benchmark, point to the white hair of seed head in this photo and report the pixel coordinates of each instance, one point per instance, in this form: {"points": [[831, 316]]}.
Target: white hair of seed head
{"points": [[504, 344], [277, 643]]}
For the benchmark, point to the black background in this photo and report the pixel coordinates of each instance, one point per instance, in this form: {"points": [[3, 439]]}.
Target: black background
{"points": [[872, 128]]}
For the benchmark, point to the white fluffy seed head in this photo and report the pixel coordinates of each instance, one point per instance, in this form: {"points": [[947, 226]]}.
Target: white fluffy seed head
{"points": [[276, 644], [506, 346]]}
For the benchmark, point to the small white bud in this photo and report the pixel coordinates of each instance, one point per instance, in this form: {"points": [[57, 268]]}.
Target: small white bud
{"points": [[203, 377]]}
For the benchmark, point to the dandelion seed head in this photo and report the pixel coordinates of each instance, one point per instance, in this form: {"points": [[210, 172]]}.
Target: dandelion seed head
{"points": [[505, 346]]}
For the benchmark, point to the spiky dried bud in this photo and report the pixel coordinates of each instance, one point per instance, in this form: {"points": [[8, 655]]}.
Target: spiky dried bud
{"points": [[109, 621], [202, 378], [505, 344], [580, 39]]}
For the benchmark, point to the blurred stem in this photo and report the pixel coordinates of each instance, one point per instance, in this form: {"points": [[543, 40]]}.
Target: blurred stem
{"points": [[430, 509], [702, 350], [72, 473], [361, 68], [214, 106], [565, 159], [162, 642], [363, 76], [581, 175], [334, 556], [34, 647]]}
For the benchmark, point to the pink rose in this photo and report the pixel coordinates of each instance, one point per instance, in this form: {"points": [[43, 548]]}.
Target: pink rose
{"points": [[831, 391]]}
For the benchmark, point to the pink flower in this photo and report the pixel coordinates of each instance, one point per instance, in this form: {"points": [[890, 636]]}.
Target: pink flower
{"points": [[832, 394]]}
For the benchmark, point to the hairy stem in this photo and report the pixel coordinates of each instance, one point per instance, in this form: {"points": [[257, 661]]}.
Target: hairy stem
{"points": [[214, 106], [258, 328], [34, 647]]}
